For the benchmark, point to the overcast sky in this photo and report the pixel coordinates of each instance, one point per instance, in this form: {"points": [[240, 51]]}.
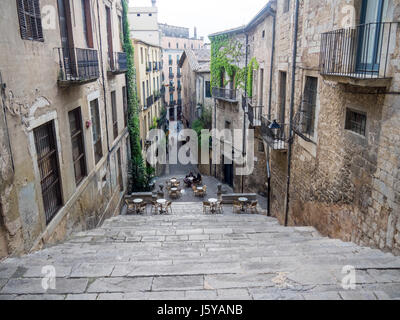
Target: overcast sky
{"points": [[208, 16]]}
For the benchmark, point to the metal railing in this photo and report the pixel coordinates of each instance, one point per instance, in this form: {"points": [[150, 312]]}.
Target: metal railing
{"points": [[255, 114], [78, 65], [150, 100], [171, 88], [225, 94], [119, 63], [275, 134], [172, 103], [360, 52]]}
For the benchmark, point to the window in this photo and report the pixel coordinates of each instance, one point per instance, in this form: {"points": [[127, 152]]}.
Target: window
{"points": [[150, 14], [263, 34], [191, 46], [356, 121], [109, 37], [96, 130], [177, 45], [141, 55], [282, 96], [47, 158], [119, 168], [184, 45], [286, 5], [208, 89], [125, 102], [30, 21], [169, 44], [171, 97], [138, 14], [177, 59], [260, 146], [114, 114], [87, 23], [78, 149], [309, 104]]}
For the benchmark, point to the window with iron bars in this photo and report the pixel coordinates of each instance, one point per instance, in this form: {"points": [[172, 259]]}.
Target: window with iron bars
{"points": [[356, 122]]}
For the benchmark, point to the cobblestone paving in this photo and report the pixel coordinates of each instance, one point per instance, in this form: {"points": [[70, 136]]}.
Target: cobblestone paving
{"points": [[189, 255]]}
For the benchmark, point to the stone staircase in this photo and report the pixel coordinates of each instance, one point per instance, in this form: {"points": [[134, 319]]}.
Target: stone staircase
{"points": [[189, 255]]}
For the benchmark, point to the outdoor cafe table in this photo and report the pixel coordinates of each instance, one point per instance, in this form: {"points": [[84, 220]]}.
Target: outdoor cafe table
{"points": [[213, 203], [162, 202], [137, 203], [243, 202]]}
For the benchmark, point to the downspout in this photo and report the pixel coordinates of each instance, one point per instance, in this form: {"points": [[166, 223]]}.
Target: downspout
{"points": [[103, 79], [296, 26], [273, 13], [245, 110]]}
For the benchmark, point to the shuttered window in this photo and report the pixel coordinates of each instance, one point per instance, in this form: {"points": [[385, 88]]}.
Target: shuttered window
{"points": [[30, 20], [78, 150], [114, 114]]}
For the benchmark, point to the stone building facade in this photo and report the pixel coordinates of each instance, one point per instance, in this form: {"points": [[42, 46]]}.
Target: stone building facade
{"points": [[195, 66], [148, 80], [344, 160], [174, 40], [143, 22], [63, 135]]}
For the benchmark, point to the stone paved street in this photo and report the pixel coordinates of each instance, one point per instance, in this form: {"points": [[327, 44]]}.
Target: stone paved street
{"points": [[189, 255]]}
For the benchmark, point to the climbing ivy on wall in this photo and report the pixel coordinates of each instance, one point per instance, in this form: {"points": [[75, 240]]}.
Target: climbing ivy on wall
{"points": [[226, 54], [253, 65], [137, 171]]}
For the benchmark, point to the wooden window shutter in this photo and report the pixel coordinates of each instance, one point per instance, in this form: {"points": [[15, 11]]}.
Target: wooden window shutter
{"points": [[22, 20], [30, 20]]}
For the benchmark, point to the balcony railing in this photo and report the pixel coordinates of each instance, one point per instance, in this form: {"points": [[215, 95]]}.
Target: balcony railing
{"points": [[179, 87], [171, 75], [148, 67], [360, 52], [255, 113], [225, 94], [179, 75], [172, 103], [179, 103], [150, 101], [171, 88], [78, 66], [155, 66], [119, 64], [274, 134]]}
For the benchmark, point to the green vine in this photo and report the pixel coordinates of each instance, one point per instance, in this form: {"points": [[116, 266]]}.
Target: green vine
{"points": [[138, 177], [253, 65], [226, 54]]}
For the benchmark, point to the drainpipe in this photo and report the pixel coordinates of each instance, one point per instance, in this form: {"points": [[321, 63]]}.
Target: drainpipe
{"points": [[245, 110], [103, 79], [296, 22], [273, 13]]}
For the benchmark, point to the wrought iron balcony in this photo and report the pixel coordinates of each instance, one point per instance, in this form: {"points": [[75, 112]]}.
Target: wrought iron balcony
{"points": [[171, 88], [360, 52], [179, 87], [172, 103], [77, 66], [150, 101], [274, 134], [225, 94], [119, 63], [255, 114]]}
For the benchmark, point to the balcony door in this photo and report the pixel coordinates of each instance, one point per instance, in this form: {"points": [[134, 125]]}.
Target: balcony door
{"points": [[370, 34], [66, 38]]}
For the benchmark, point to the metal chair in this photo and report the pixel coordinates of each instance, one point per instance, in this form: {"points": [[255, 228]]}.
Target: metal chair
{"points": [[253, 206], [130, 205], [237, 206], [154, 206], [168, 206], [220, 207], [142, 208], [206, 205]]}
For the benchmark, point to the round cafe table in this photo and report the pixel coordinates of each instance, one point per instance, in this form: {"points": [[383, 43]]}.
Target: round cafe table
{"points": [[174, 189], [213, 203], [243, 201], [137, 203], [162, 202]]}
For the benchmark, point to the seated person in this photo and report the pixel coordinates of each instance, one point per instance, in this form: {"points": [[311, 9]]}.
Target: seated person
{"points": [[198, 178]]}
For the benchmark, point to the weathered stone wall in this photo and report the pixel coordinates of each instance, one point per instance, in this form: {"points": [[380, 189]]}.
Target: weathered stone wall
{"points": [[30, 70]]}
